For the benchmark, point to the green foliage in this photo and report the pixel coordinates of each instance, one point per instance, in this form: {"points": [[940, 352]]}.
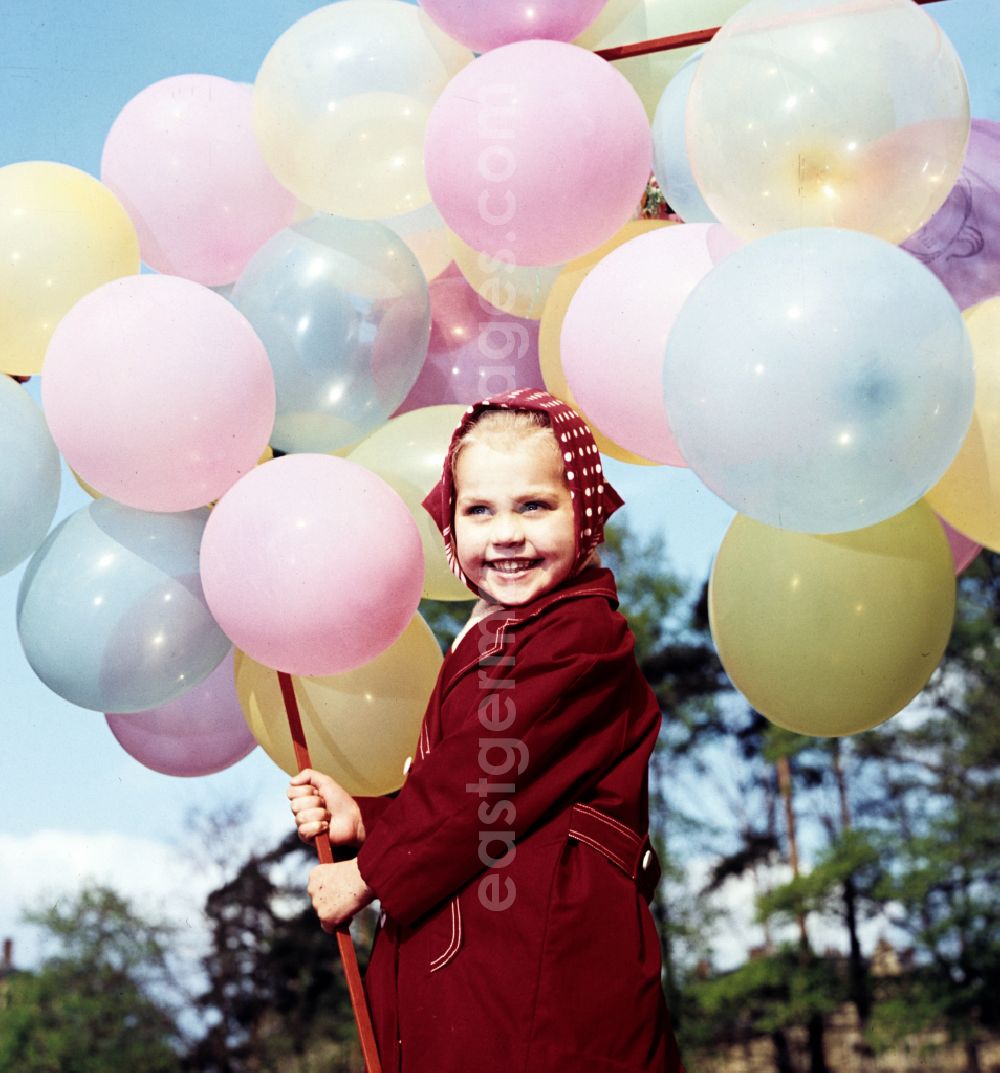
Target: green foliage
{"points": [[446, 618], [765, 995], [854, 856], [97, 1004], [276, 991]]}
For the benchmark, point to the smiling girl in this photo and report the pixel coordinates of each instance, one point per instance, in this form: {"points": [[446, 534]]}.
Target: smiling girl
{"points": [[513, 867]]}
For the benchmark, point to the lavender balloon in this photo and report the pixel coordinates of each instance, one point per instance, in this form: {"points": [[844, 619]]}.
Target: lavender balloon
{"points": [[475, 349], [960, 243], [201, 732]]}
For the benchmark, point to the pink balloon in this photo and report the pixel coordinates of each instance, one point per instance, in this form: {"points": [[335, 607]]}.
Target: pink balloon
{"points": [[158, 392], [475, 349], [183, 160], [312, 564], [483, 25], [201, 732], [614, 335], [537, 152], [963, 550]]}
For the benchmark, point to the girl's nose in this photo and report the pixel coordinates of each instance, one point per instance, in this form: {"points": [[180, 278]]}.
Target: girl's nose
{"points": [[507, 528]]}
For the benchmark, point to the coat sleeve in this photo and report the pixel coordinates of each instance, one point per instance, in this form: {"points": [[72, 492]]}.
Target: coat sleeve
{"points": [[372, 809], [566, 696]]}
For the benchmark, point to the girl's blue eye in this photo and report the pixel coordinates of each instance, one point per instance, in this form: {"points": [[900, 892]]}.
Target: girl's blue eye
{"points": [[472, 511], [535, 504]]}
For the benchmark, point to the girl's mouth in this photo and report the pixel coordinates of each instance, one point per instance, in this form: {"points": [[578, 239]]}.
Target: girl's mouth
{"points": [[512, 567]]}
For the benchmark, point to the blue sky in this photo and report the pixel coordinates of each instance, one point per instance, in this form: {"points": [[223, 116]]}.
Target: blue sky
{"points": [[72, 803]]}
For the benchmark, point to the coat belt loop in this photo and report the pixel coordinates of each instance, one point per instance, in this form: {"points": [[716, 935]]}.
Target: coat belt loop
{"points": [[628, 851]]}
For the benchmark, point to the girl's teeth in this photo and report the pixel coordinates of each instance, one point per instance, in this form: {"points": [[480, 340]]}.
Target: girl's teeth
{"points": [[511, 566]]}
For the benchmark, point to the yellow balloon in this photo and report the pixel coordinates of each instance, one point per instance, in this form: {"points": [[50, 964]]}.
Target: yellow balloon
{"points": [[831, 635], [341, 103], [63, 234], [88, 488], [968, 495], [425, 233], [408, 453], [793, 118], [360, 726], [515, 289], [550, 329], [624, 22]]}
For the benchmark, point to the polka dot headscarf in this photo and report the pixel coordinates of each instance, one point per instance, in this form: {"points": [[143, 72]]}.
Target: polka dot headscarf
{"points": [[594, 500]]}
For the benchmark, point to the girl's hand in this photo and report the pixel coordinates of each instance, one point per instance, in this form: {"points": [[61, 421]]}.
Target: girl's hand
{"points": [[321, 804], [338, 892]]}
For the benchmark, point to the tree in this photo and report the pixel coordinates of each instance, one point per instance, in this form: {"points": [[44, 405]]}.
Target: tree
{"points": [[276, 994], [102, 1002]]}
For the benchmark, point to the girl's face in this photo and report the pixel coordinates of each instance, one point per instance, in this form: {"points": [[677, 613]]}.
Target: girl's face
{"points": [[514, 527]]}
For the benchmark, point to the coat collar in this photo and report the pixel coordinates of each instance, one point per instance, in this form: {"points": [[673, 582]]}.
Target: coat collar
{"points": [[489, 635]]}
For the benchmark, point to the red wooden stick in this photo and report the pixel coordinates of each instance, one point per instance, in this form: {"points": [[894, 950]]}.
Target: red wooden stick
{"points": [[667, 44], [348, 956]]}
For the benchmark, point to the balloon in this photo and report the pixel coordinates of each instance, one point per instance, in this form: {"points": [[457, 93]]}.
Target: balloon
{"points": [[968, 495], [408, 453], [360, 725], [158, 392], [266, 455], [29, 475], [550, 328], [201, 732], [183, 159], [624, 22], [485, 26], [807, 114], [424, 233], [341, 104], [342, 307], [670, 156], [819, 380], [475, 350], [960, 244], [111, 612], [963, 550], [312, 564], [63, 234], [522, 291], [831, 635], [615, 332], [510, 153]]}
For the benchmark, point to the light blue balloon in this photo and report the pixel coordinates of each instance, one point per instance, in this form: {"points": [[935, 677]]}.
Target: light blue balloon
{"points": [[819, 380], [343, 310], [111, 613], [29, 475], [671, 163]]}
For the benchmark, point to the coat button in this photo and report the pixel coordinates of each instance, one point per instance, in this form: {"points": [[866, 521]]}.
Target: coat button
{"points": [[646, 858], [406, 764]]}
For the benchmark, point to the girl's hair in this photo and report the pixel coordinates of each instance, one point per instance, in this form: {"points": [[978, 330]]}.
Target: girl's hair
{"points": [[507, 428]]}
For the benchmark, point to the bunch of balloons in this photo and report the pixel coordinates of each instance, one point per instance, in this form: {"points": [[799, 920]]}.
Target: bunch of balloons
{"points": [[395, 227], [820, 379]]}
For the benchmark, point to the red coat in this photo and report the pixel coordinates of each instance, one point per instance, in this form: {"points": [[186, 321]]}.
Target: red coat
{"points": [[548, 960]]}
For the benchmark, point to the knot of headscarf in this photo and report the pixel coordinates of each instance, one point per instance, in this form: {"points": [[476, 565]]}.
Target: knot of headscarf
{"points": [[594, 500]]}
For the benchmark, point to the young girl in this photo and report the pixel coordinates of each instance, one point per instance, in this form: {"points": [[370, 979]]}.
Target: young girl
{"points": [[513, 867]]}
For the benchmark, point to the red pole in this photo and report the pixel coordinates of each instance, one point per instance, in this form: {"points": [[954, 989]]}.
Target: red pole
{"points": [[324, 851], [667, 44]]}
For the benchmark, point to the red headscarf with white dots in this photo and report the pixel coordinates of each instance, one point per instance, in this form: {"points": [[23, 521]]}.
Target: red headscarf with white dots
{"points": [[594, 500]]}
